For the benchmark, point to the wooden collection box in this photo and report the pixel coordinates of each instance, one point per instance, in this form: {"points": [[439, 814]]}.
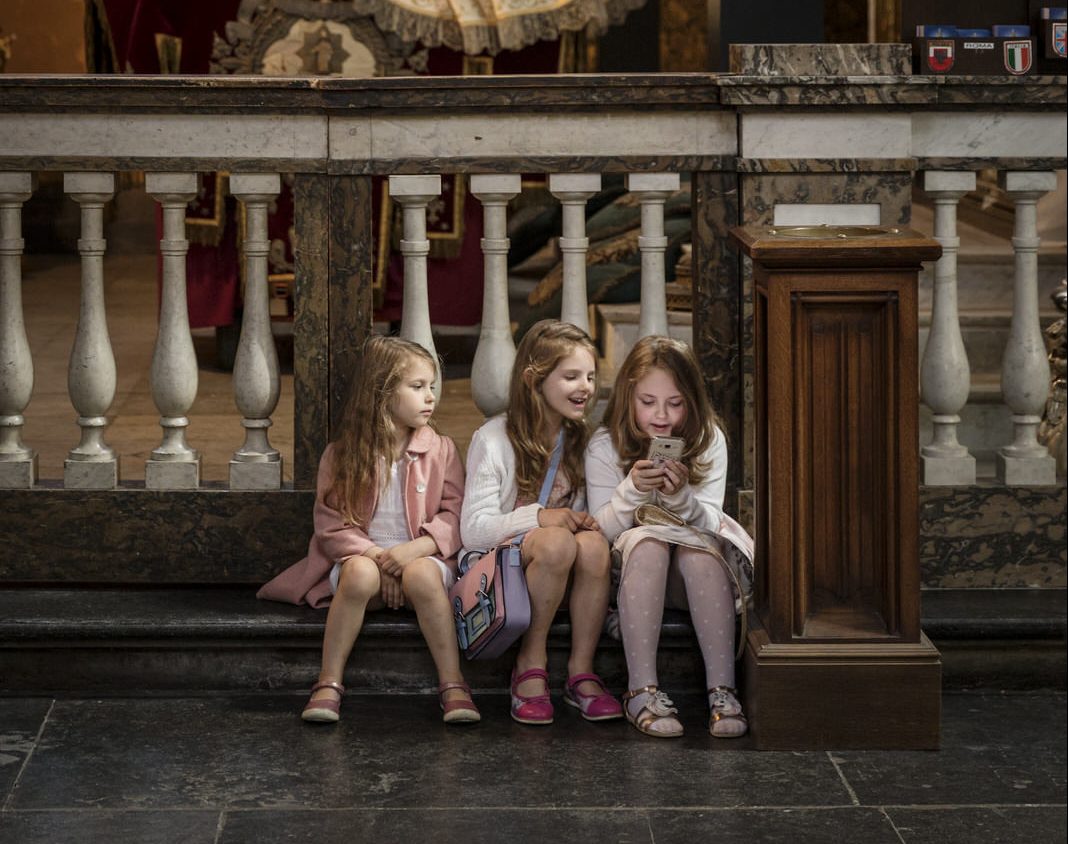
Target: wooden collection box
{"points": [[835, 657]]}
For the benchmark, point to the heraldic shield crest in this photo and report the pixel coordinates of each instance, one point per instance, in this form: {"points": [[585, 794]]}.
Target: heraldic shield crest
{"points": [[1017, 56], [940, 55]]}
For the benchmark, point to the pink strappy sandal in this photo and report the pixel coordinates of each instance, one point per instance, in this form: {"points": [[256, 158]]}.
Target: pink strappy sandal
{"points": [[600, 706], [536, 709], [324, 710]]}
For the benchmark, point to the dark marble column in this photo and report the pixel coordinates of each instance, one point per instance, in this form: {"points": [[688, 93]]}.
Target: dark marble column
{"points": [[717, 309], [310, 324], [351, 280], [333, 307]]}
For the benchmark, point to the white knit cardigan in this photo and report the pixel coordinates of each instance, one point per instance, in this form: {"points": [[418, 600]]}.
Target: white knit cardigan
{"points": [[489, 515]]}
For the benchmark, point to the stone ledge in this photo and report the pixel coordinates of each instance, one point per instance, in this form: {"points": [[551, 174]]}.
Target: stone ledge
{"points": [[136, 640], [91, 614]]}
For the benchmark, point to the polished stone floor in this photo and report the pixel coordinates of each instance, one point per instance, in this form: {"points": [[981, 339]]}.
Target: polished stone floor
{"points": [[232, 769]]}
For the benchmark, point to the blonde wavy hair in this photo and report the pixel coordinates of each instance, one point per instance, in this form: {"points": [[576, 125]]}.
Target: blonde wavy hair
{"points": [[542, 348], [366, 436], [699, 428]]}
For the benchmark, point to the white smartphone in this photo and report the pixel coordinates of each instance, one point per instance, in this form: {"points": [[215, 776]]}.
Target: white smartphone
{"points": [[666, 448]]}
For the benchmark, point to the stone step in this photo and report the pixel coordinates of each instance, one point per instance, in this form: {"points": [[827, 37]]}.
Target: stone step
{"points": [[110, 640], [223, 638], [985, 422], [985, 278], [985, 333]]}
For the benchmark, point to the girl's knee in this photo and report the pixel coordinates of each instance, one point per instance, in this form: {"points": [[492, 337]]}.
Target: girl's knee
{"points": [[555, 548], [551, 550], [592, 553], [359, 578], [420, 577], [650, 547], [690, 559]]}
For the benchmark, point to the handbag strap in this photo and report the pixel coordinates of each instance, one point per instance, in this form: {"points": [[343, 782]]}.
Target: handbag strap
{"points": [[550, 477]]}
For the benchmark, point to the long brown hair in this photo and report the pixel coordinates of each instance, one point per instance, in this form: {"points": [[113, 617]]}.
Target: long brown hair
{"points": [[699, 428], [366, 438], [544, 345]]}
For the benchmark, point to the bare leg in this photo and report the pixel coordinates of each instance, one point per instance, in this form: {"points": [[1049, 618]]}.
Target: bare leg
{"points": [[548, 555], [591, 584], [423, 589], [357, 586]]}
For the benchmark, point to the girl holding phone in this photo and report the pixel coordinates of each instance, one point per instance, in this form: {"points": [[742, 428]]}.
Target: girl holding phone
{"points": [[655, 479]]}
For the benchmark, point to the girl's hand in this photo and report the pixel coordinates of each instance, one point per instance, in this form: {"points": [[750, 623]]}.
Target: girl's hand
{"points": [[564, 517], [389, 563], [373, 553], [647, 475], [393, 560], [392, 596], [676, 476]]}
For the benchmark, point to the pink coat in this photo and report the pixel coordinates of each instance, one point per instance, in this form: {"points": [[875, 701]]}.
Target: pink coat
{"points": [[433, 478]]}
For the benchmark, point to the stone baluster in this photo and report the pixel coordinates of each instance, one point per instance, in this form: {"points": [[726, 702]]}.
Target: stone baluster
{"points": [[492, 365], [1024, 367], [18, 463], [945, 378], [653, 190], [573, 189], [92, 464], [414, 193], [173, 376], [256, 465]]}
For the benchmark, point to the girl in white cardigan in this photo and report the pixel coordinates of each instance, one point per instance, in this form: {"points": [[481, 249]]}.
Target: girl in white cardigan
{"points": [[659, 392], [553, 383]]}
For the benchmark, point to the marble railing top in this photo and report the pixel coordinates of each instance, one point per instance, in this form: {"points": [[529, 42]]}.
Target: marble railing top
{"points": [[821, 59], [914, 92], [510, 94]]}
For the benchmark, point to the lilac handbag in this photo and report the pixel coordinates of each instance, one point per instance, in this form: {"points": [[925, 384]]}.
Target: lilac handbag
{"points": [[490, 601]]}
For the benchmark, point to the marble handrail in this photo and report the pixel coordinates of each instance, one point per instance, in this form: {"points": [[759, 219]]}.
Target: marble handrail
{"points": [[603, 123]]}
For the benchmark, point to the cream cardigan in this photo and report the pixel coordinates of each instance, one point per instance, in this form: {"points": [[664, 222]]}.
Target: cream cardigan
{"points": [[489, 515], [613, 498]]}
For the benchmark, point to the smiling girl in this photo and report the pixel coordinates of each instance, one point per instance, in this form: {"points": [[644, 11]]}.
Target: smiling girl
{"points": [[552, 386], [659, 392]]}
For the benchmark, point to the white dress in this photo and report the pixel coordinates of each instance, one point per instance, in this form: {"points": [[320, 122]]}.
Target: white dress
{"points": [[389, 526]]}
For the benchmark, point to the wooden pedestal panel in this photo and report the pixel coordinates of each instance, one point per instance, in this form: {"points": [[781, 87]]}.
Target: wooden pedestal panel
{"points": [[842, 696], [836, 430]]}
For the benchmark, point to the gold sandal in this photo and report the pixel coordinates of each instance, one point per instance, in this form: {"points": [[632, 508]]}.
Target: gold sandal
{"points": [[660, 708], [722, 699]]}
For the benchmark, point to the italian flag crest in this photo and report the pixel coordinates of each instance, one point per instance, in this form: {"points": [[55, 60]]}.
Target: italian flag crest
{"points": [[1017, 57]]}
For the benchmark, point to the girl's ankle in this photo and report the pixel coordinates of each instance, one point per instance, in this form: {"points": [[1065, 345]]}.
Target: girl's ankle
{"points": [[636, 703]]}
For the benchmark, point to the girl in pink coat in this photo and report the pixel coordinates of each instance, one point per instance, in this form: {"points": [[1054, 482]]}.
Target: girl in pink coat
{"points": [[387, 525]]}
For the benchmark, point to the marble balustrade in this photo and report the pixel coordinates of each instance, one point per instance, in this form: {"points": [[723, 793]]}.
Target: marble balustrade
{"points": [[747, 143]]}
